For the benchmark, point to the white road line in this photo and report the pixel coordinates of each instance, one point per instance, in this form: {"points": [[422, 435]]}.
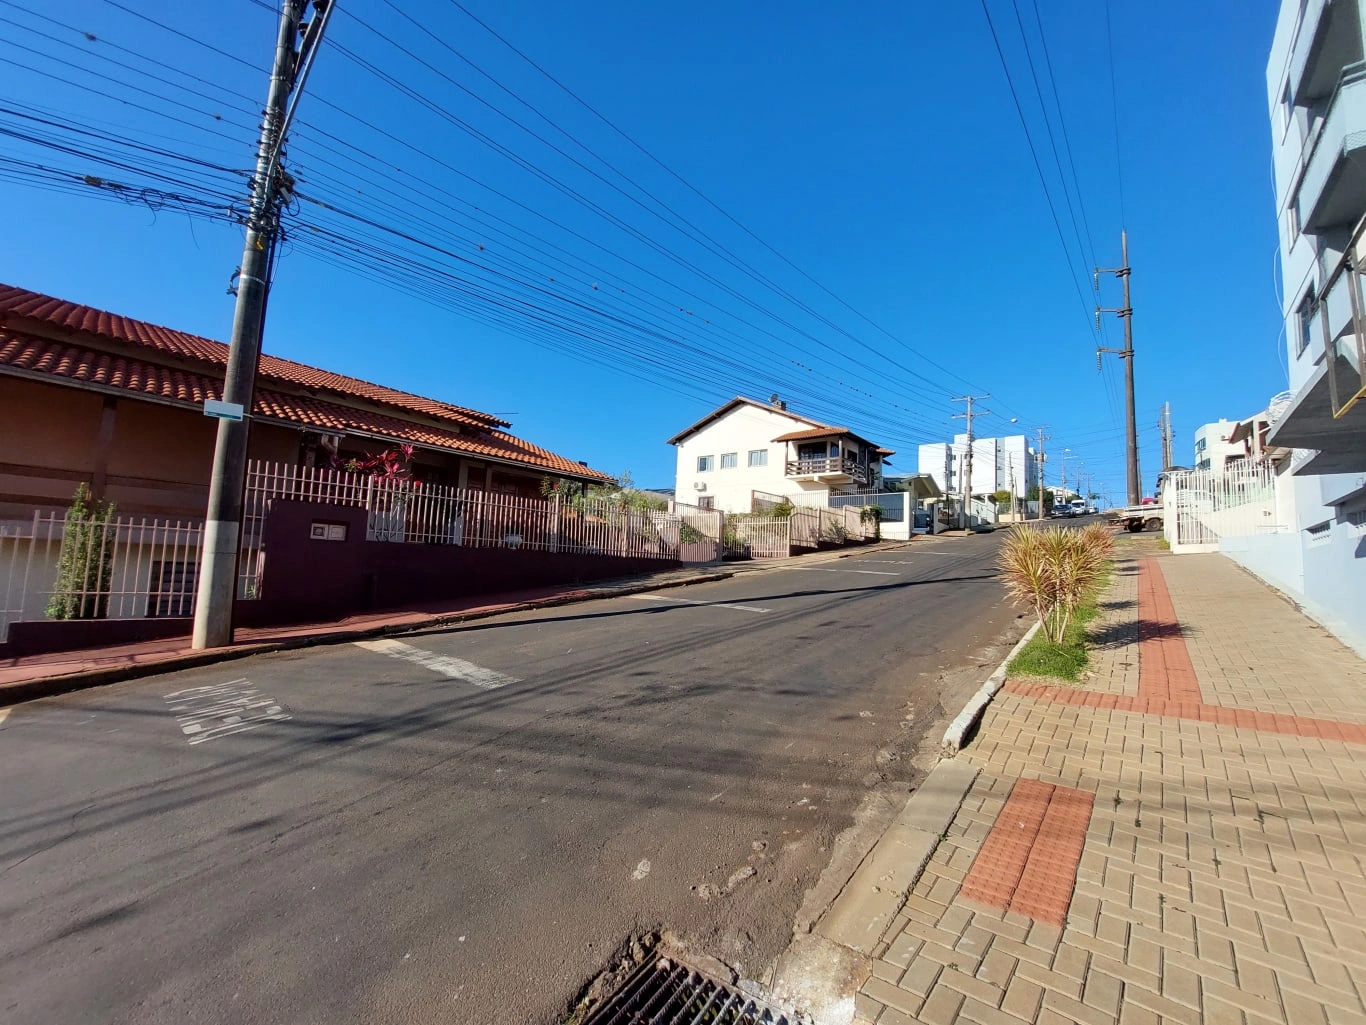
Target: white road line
{"points": [[4, 714], [693, 601], [446, 665], [869, 572]]}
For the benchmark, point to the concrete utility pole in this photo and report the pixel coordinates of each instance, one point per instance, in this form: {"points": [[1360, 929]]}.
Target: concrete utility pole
{"points": [[1042, 438], [1165, 426], [1125, 313], [967, 469], [223, 526]]}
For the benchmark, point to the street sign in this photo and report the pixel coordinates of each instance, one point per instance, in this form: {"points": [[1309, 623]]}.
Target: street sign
{"points": [[223, 410]]}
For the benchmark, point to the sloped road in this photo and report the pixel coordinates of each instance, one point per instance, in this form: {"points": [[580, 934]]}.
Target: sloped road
{"points": [[461, 826]]}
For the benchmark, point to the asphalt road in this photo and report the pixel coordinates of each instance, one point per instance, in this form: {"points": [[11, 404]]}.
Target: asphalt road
{"points": [[463, 826]]}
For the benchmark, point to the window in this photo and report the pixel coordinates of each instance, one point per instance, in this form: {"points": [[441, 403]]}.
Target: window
{"points": [[1287, 109], [1292, 220], [730, 460], [706, 502], [758, 457], [705, 464], [1308, 313]]}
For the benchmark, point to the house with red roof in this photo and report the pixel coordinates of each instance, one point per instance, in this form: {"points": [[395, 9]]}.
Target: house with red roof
{"points": [[338, 470], [95, 397]]}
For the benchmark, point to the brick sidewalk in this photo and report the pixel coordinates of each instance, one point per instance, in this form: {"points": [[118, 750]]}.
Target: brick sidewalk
{"points": [[1185, 843]]}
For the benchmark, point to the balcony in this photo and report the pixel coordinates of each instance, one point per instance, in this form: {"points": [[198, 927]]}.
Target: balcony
{"points": [[1329, 39], [828, 470], [1333, 190]]}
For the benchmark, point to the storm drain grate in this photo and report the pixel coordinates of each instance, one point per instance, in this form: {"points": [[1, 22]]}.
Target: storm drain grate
{"points": [[663, 992]]}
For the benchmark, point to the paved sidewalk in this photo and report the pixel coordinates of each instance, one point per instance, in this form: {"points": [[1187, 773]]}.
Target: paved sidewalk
{"points": [[1180, 839]]}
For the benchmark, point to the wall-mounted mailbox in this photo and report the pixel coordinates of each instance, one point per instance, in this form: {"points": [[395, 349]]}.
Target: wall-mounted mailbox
{"points": [[321, 530]]}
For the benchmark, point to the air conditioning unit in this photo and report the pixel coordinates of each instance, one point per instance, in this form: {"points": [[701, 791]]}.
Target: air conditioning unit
{"points": [[699, 485]]}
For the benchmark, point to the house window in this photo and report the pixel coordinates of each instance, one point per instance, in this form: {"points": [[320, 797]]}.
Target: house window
{"points": [[1292, 220], [1307, 314], [173, 590], [758, 457], [705, 464], [706, 502], [730, 460]]}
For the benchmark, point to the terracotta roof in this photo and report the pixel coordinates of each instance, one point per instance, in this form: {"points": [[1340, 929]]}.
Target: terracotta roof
{"points": [[72, 317], [813, 433], [188, 389]]}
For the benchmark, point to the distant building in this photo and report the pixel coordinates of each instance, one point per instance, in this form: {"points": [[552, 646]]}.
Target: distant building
{"points": [[1214, 447], [998, 464]]}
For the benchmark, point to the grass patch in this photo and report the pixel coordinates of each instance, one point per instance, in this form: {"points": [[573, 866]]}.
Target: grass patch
{"points": [[1065, 661]]}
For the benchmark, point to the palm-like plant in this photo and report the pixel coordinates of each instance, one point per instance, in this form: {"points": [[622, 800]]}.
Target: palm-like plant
{"points": [[1051, 570]]}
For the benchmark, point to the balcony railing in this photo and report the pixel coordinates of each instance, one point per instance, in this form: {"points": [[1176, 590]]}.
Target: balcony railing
{"points": [[828, 465]]}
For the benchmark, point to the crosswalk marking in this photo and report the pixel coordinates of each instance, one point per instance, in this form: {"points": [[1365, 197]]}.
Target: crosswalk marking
{"points": [[694, 601], [208, 713], [446, 665]]}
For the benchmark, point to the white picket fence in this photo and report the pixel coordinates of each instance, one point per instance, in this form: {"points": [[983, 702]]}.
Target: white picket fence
{"points": [[124, 568], [1199, 507]]}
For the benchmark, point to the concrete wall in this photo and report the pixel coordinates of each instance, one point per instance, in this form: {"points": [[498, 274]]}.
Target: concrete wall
{"points": [[146, 457]]}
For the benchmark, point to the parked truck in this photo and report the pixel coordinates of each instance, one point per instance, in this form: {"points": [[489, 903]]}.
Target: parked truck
{"points": [[1137, 518]]}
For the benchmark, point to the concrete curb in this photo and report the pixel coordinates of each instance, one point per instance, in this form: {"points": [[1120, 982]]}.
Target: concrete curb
{"points": [[977, 704], [52, 686], [879, 886]]}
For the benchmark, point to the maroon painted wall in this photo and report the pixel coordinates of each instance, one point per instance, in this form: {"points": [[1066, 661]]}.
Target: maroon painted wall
{"points": [[305, 580]]}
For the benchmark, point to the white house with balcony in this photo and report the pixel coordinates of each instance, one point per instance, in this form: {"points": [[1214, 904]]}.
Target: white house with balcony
{"points": [[747, 449]]}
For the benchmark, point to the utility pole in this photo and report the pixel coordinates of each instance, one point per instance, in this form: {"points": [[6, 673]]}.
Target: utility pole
{"points": [[1126, 314], [967, 469], [1165, 426], [1042, 438], [223, 523]]}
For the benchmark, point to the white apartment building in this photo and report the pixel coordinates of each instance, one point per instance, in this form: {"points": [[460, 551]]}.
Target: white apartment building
{"points": [[1316, 96], [998, 464], [746, 447]]}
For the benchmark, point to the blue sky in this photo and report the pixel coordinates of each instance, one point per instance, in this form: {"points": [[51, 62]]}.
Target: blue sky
{"points": [[578, 287]]}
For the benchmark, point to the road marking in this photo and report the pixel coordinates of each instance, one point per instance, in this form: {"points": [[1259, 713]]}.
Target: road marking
{"points": [[446, 665], [869, 572], [4, 714], [208, 713], [694, 601]]}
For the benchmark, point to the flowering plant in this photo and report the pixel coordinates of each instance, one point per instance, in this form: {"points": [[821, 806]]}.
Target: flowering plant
{"points": [[389, 465]]}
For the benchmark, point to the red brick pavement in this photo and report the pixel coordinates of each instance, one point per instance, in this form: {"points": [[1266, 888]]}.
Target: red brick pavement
{"points": [[1028, 862], [1167, 683]]}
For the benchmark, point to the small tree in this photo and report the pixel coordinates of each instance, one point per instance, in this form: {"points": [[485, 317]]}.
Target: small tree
{"points": [[86, 562], [872, 514]]}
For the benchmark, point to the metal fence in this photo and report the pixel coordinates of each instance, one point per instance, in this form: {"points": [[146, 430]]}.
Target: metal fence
{"points": [[758, 536], [1199, 507], [55, 567], [406, 511]]}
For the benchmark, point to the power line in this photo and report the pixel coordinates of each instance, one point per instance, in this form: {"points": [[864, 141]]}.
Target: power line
{"points": [[1114, 104], [1038, 167]]}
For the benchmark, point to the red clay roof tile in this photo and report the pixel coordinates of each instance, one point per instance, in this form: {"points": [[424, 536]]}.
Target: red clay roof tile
{"points": [[79, 364], [69, 316]]}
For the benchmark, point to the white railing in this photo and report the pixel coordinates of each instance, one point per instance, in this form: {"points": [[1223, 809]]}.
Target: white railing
{"points": [[406, 511], [125, 568], [1199, 507]]}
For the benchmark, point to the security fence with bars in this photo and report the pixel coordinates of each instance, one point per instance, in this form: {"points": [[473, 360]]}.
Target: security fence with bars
{"points": [[1199, 507], [58, 567]]}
